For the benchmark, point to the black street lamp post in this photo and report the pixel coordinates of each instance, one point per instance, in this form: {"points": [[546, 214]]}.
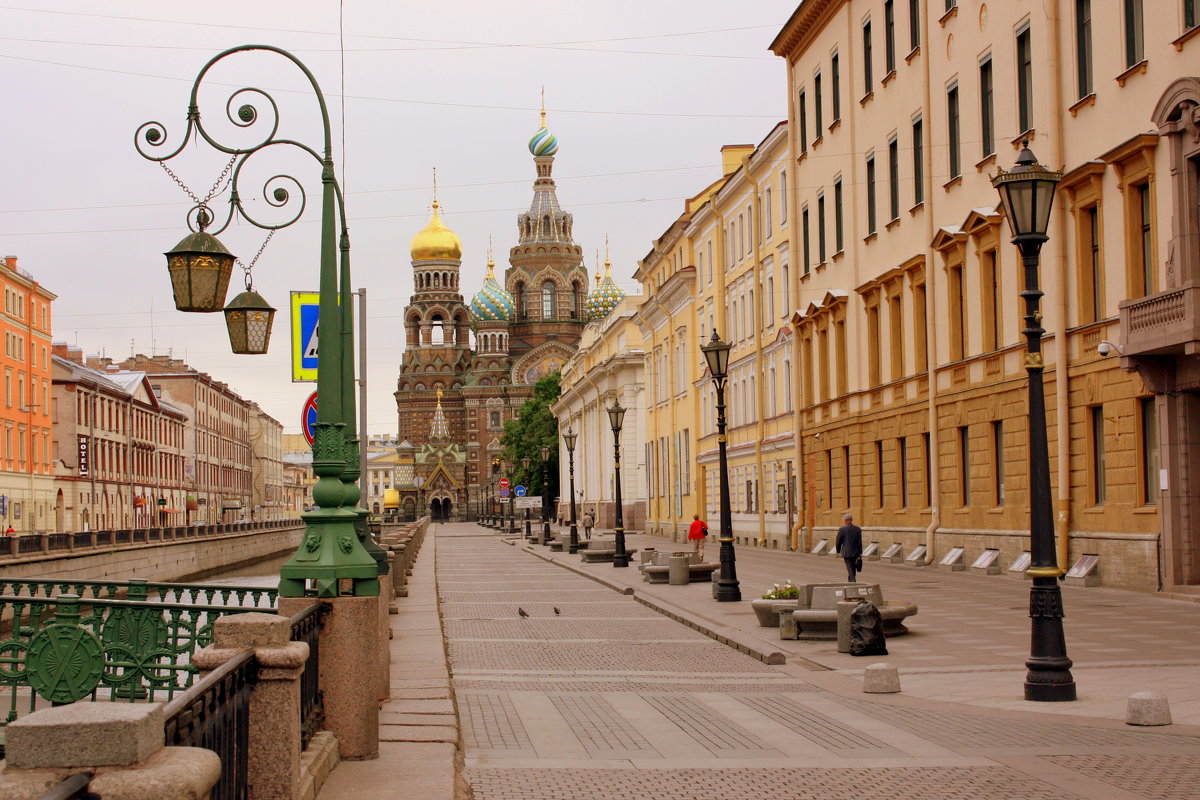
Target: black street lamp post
{"points": [[545, 495], [716, 353], [525, 468], [512, 511], [1027, 192], [569, 440], [616, 416]]}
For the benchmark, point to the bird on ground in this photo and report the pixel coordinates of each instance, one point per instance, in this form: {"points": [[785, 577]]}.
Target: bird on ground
{"points": [[522, 612], [556, 611]]}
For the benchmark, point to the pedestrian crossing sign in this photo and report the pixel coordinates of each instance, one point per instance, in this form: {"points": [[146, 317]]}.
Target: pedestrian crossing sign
{"points": [[304, 336]]}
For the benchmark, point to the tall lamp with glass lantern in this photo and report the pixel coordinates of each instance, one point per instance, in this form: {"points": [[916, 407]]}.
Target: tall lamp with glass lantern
{"points": [[727, 588]]}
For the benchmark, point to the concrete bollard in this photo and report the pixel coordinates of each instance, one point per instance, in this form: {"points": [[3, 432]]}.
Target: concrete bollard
{"points": [[844, 611], [677, 570], [121, 743], [1147, 708], [881, 679]]}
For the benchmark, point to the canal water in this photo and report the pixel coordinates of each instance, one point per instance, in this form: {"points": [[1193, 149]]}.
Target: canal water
{"points": [[262, 573]]}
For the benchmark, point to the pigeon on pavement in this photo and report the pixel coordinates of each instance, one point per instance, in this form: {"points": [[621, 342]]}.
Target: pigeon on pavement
{"points": [[556, 611], [522, 612]]}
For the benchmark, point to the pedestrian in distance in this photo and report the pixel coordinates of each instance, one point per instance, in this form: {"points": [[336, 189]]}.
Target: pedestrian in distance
{"points": [[589, 522], [849, 545], [697, 533], [10, 531]]}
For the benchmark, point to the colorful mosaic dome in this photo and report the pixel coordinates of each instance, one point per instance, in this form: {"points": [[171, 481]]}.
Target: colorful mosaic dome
{"points": [[604, 298], [492, 302], [543, 143]]}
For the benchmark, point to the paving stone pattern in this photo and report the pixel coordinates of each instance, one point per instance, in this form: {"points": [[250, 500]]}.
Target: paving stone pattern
{"points": [[612, 701]]}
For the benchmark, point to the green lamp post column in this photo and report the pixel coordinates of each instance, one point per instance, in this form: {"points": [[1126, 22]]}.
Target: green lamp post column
{"points": [[330, 550]]}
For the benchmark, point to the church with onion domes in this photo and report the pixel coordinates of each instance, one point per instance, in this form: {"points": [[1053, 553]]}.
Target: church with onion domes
{"points": [[453, 395]]}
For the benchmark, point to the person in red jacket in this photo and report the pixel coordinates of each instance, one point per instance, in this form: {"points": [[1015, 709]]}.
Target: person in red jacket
{"points": [[696, 535]]}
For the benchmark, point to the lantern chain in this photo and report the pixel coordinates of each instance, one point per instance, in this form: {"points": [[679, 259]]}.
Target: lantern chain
{"points": [[247, 267], [216, 187]]}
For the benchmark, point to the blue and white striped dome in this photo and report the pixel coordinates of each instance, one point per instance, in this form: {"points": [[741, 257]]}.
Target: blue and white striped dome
{"points": [[492, 302], [543, 143]]}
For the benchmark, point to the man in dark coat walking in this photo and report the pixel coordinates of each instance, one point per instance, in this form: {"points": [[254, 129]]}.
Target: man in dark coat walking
{"points": [[849, 544]]}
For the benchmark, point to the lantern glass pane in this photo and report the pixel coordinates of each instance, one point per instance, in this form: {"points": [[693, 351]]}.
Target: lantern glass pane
{"points": [[235, 321], [1043, 203]]}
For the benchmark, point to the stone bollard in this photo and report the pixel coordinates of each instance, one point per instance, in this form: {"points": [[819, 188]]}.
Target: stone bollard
{"points": [[844, 611], [384, 643], [788, 629], [348, 670], [120, 743], [881, 679], [677, 570], [273, 755], [1147, 708], [399, 573]]}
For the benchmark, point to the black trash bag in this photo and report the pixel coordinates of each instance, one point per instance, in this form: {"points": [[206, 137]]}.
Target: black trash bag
{"points": [[866, 631]]}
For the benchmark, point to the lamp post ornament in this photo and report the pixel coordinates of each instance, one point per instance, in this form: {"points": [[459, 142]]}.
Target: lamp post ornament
{"points": [[335, 545], [1027, 192], [569, 439], [616, 418], [545, 495], [716, 354]]}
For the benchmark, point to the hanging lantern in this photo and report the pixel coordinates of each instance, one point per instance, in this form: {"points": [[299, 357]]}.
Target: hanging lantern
{"points": [[248, 318], [200, 267]]}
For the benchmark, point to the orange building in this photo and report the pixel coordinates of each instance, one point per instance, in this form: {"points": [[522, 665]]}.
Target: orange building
{"points": [[26, 441]]}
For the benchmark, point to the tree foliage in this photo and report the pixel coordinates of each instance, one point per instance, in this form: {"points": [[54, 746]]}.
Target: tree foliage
{"points": [[525, 436]]}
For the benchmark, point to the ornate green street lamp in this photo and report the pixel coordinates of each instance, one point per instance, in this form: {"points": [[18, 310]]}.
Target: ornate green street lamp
{"points": [[336, 547], [1027, 192], [569, 440], [248, 318], [525, 472], [616, 418], [716, 353], [545, 495]]}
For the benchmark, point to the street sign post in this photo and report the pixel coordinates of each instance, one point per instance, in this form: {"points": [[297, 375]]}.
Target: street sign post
{"points": [[308, 417], [519, 491], [527, 502], [504, 491], [304, 336], [504, 483]]}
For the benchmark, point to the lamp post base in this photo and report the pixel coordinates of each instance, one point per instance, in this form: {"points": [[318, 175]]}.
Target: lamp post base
{"points": [[1049, 687], [727, 591], [573, 547]]}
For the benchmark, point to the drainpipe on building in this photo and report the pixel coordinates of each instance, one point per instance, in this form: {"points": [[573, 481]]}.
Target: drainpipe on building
{"points": [[756, 234], [796, 529], [931, 350], [1062, 517]]}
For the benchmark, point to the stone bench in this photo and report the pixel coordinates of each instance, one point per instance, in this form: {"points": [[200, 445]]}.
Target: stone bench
{"points": [[595, 556], [697, 572], [817, 619]]}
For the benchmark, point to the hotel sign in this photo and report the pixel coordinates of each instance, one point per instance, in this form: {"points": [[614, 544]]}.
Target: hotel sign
{"points": [[85, 455]]}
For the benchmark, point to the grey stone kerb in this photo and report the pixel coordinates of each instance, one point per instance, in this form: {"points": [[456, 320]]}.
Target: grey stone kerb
{"points": [[85, 735]]}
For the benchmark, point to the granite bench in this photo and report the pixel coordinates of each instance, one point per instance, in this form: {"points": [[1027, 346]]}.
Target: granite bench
{"points": [[817, 619]]}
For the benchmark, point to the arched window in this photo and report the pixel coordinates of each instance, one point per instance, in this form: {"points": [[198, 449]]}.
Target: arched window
{"points": [[575, 295], [548, 300], [437, 331], [520, 295]]}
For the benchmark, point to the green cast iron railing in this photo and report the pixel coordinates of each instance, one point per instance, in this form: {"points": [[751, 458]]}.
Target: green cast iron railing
{"points": [[263, 598]]}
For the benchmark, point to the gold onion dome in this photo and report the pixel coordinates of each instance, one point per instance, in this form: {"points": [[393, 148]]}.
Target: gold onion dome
{"points": [[436, 241]]}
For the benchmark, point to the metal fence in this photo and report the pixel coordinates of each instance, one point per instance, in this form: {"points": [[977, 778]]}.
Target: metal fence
{"points": [[27, 544], [306, 627], [215, 715], [263, 598]]}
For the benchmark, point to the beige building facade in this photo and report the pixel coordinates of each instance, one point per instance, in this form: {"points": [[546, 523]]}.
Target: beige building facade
{"points": [[267, 496], [911, 389]]}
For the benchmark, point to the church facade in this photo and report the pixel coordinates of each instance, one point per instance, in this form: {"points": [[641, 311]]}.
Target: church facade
{"points": [[454, 396]]}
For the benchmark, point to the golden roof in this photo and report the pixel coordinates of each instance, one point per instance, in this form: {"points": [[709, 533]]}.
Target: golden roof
{"points": [[436, 240]]}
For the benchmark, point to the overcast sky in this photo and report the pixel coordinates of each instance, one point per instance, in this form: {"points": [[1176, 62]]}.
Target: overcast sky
{"points": [[641, 94]]}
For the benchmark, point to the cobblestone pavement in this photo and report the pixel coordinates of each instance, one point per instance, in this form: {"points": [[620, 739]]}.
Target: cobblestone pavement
{"points": [[608, 699]]}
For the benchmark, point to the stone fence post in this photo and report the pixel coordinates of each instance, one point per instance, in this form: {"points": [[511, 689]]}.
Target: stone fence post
{"points": [[120, 743], [273, 769]]}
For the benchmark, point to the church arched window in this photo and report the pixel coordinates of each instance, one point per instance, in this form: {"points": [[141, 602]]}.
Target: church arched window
{"points": [[437, 331], [520, 295], [548, 300]]}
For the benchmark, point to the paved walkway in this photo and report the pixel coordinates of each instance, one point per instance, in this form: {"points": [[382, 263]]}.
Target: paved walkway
{"points": [[608, 698]]}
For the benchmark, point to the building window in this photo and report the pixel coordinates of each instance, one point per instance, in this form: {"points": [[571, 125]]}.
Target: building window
{"points": [[767, 212], [987, 111], [821, 228], [951, 4], [786, 276], [878, 473], [846, 472], [964, 466], [893, 179], [889, 36], [958, 330], [838, 218], [802, 113], [835, 85], [1189, 14], [914, 24], [870, 195], [1091, 281], [806, 239], [998, 462], [1145, 241], [919, 327], [902, 469], [867, 57], [1096, 438], [829, 477], [1083, 46], [927, 447], [843, 361], [1024, 79], [918, 146], [818, 110], [952, 130], [1149, 454], [989, 280], [783, 196], [874, 372], [896, 323], [1134, 48]]}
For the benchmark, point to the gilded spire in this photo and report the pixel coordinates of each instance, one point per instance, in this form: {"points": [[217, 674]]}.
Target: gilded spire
{"points": [[542, 122], [491, 273], [607, 263]]}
